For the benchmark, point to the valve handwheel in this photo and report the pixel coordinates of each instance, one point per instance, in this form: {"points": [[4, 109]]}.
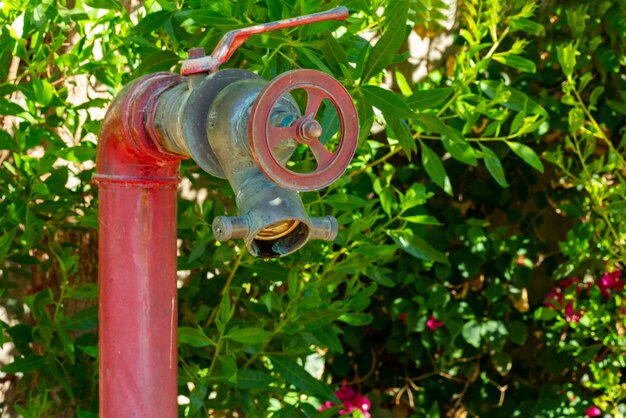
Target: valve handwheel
{"points": [[263, 137]]}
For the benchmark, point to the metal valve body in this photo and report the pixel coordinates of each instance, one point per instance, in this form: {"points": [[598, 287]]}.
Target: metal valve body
{"points": [[209, 122]]}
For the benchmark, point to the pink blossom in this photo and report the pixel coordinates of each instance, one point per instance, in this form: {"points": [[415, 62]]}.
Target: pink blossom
{"points": [[593, 411], [433, 324], [351, 401], [346, 393], [554, 298], [611, 281], [570, 315], [565, 283]]}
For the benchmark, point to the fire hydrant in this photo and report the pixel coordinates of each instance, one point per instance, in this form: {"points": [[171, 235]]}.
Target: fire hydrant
{"points": [[234, 125]]}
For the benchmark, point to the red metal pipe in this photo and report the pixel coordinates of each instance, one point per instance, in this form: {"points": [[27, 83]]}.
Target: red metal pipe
{"points": [[137, 251]]}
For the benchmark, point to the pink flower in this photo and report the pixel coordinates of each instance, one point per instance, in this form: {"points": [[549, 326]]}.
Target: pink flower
{"points": [[433, 324], [351, 401], [570, 315], [554, 298], [611, 281], [593, 411], [346, 393], [565, 283]]}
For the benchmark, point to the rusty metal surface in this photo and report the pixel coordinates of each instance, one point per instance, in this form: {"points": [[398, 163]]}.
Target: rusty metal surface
{"points": [[137, 259], [198, 63], [125, 151], [264, 137]]}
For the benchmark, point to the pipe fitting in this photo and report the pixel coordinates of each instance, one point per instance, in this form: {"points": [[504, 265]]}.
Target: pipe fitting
{"points": [[272, 220], [324, 228], [207, 120], [230, 227]]}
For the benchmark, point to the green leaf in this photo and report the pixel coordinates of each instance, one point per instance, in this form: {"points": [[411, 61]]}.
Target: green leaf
{"points": [[517, 100], [84, 320], [528, 26], [502, 362], [68, 343], [517, 332], [566, 55], [295, 374], [527, 154], [432, 123], [617, 106], [152, 22], [595, 95], [198, 249], [43, 91], [104, 4], [24, 364], [10, 109], [253, 379], [248, 335], [460, 150], [224, 313], [402, 134], [435, 169], [575, 119], [417, 247], [356, 319], [429, 99], [159, 61], [494, 166], [544, 313], [471, 333], [387, 101], [434, 411], [421, 219], [327, 336], [576, 19], [81, 413], [333, 52], [330, 123], [379, 276], [6, 239], [228, 368], [415, 195], [388, 44], [194, 337], [517, 62], [518, 121], [345, 201], [614, 207], [90, 350], [315, 60], [387, 200], [403, 84]]}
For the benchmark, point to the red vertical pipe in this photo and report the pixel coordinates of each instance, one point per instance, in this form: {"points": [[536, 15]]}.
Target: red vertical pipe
{"points": [[137, 267]]}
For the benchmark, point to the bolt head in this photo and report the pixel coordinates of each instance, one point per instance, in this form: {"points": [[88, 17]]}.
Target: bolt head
{"points": [[310, 130]]}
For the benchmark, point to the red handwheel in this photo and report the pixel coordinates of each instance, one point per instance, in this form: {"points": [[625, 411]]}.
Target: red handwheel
{"points": [[263, 137]]}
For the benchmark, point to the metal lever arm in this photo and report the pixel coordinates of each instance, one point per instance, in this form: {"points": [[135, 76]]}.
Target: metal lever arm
{"points": [[235, 38]]}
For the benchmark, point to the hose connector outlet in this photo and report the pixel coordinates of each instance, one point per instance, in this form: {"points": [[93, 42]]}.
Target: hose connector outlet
{"points": [[230, 227], [324, 228]]}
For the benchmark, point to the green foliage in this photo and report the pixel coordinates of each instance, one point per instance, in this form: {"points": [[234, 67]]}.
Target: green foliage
{"points": [[499, 170]]}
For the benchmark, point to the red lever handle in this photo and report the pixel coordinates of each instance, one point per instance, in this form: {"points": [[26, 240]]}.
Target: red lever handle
{"points": [[235, 38]]}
